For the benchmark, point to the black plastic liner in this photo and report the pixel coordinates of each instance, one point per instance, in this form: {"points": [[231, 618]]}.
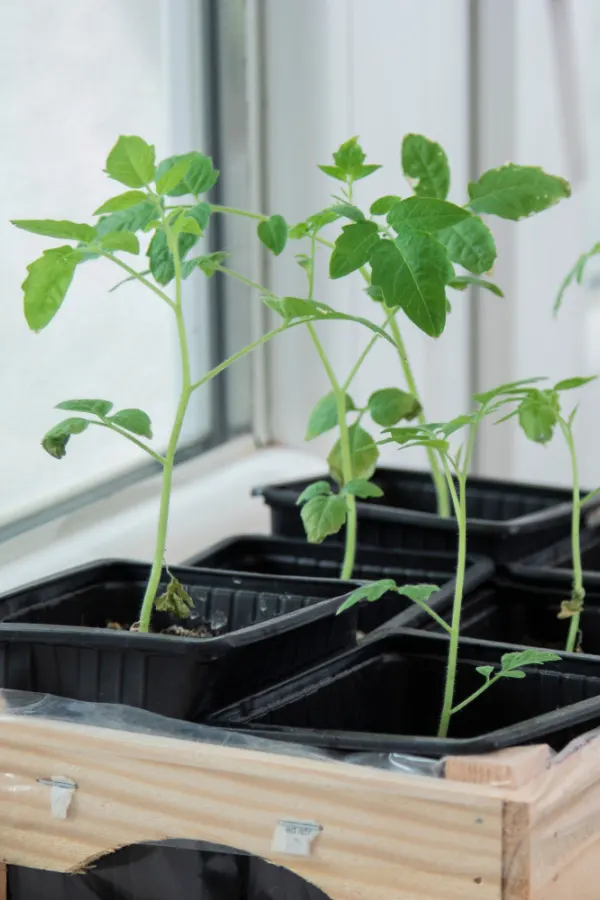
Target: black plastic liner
{"points": [[283, 556], [507, 520], [386, 696], [53, 637], [555, 562], [143, 872]]}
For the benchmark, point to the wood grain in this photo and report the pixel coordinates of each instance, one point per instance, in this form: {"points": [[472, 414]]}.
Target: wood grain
{"points": [[385, 836]]}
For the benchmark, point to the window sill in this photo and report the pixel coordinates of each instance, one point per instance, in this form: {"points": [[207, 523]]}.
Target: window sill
{"points": [[211, 500]]}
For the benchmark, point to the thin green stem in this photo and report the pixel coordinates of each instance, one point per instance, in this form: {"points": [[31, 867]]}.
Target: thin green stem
{"points": [[169, 460], [366, 351], [443, 504], [486, 684], [258, 217], [460, 504], [138, 277], [130, 437], [239, 277], [240, 353], [578, 592], [346, 456]]}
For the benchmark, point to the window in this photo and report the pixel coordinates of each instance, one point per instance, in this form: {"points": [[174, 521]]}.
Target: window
{"points": [[71, 81]]}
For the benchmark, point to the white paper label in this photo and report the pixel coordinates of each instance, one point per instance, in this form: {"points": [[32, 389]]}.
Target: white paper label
{"points": [[294, 838]]}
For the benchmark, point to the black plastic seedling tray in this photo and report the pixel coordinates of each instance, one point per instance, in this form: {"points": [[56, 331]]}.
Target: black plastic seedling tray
{"points": [[555, 562], [507, 520], [285, 556], [53, 637], [385, 696]]}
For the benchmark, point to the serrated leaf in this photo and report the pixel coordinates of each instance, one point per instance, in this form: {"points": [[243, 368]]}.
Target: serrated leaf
{"points": [[388, 405], [353, 248], [486, 671], [470, 244], [134, 420], [323, 515], [567, 384], [122, 201], [363, 454], [418, 593], [273, 234], [324, 415], [383, 205], [48, 280], [172, 176], [316, 489], [134, 218], [412, 272], [131, 161], [538, 415], [94, 407], [349, 157], [120, 240], [514, 192], [426, 214], [199, 178], [348, 211], [55, 441], [427, 162], [208, 264], [363, 489], [530, 657], [462, 282], [369, 592], [62, 229]]}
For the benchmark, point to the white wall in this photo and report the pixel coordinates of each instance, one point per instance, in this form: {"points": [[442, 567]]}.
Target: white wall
{"points": [[336, 68]]}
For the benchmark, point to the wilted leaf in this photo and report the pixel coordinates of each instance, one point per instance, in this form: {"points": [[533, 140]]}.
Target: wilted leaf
{"points": [[388, 405], [55, 441]]}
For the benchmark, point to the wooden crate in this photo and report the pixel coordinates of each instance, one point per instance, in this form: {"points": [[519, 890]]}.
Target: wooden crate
{"points": [[505, 827]]}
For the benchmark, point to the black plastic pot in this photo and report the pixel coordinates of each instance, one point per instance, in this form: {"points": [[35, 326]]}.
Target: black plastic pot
{"points": [[556, 561], [506, 520], [284, 556], [53, 637], [144, 872], [386, 695]]}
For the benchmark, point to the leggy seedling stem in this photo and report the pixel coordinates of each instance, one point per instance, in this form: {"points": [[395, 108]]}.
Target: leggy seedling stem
{"points": [[578, 592]]}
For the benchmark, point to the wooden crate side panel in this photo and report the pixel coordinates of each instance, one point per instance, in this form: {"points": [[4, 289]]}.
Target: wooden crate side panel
{"points": [[384, 836]]}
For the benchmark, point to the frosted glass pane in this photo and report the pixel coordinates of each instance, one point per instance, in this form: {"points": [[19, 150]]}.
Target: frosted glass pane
{"points": [[73, 76]]}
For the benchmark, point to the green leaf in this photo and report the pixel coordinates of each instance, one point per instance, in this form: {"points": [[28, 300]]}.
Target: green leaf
{"points": [[199, 177], [383, 205], [172, 176], [360, 487], [349, 157], [514, 673], [426, 214], [514, 192], [348, 211], [48, 280], [363, 454], [273, 233], [122, 201], [316, 489], [55, 441], [413, 271], [576, 273], [418, 593], [567, 384], [369, 592], [353, 248], [159, 255], [486, 671], [388, 405], [324, 415], [506, 388], [186, 225], [135, 218], [323, 515], [134, 420], [470, 244], [120, 240], [131, 161], [99, 408], [333, 172], [292, 307], [530, 657], [208, 264], [454, 425], [538, 415], [375, 293], [462, 282], [65, 231], [427, 162]]}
